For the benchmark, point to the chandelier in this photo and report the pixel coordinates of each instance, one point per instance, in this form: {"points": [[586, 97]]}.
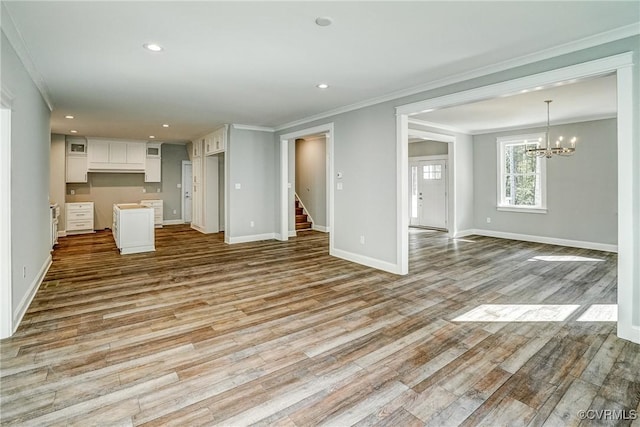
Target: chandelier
{"points": [[559, 149]]}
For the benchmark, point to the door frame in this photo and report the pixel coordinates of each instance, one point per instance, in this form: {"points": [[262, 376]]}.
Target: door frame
{"points": [[185, 163], [6, 291], [628, 176], [290, 138], [440, 157]]}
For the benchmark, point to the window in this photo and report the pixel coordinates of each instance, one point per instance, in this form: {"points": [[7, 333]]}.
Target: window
{"points": [[432, 172], [521, 178]]}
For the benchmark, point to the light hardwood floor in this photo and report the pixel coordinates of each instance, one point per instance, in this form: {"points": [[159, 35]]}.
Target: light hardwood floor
{"points": [[280, 333]]}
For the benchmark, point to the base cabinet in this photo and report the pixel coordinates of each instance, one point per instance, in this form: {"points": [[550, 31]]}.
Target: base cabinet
{"points": [[79, 217], [133, 229], [158, 210]]}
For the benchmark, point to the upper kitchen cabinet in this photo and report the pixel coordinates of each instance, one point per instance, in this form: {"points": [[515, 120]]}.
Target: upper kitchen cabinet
{"points": [[153, 165], [76, 160], [106, 155], [216, 141]]}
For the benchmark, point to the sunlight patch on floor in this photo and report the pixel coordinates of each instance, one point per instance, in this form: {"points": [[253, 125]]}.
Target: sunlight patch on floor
{"points": [[600, 313], [518, 313], [563, 258]]}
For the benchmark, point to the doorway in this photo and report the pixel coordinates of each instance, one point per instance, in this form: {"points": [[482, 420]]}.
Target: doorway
{"points": [[187, 179], [287, 175], [428, 198]]}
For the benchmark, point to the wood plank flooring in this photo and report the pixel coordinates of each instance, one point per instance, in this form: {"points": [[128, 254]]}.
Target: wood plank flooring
{"points": [[280, 333]]}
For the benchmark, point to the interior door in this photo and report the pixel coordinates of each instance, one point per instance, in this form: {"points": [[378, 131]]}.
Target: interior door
{"points": [[428, 193], [187, 190]]}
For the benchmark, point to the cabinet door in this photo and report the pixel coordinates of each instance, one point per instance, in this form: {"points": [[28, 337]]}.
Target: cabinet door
{"points": [[153, 170], [136, 153], [117, 152], [196, 147], [76, 169], [98, 152], [197, 170], [196, 207]]}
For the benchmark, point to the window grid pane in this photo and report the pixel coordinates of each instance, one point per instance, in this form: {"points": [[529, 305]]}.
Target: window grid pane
{"points": [[521, 174]]}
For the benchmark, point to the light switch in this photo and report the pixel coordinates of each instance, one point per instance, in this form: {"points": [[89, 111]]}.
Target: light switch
{"points": [[238, 186], [339, 175], [179, 185], [339, 186], [289, 185]]}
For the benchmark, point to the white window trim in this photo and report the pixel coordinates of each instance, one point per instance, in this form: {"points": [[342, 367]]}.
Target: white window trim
{"points": [[500, 143]]}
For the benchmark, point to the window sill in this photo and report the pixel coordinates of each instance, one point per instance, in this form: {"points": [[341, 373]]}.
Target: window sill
{"points": [[522, 209]]}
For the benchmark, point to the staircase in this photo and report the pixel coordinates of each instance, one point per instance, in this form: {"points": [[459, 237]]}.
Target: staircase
{"points": [[302, 220]]}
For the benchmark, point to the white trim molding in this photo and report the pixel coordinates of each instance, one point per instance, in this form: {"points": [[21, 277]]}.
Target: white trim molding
{"points": [[17, 42], [173, 222], [605, 247], [591, 41], [22, 307], [251, 127], [366, 261], [252, 238]]}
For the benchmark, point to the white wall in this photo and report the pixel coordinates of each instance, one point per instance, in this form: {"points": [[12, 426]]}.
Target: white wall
{"points": [[250, 164], [428, 148], [582, 190], [30, 145], [311, 177]]}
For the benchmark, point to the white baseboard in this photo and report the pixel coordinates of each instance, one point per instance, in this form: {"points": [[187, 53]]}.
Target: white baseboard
{"points": [[321, 228], [293, 233], [22, 307], [463, 233], [172, 222], [62, 233], [547, 240], [252, 238], [365, 260]]}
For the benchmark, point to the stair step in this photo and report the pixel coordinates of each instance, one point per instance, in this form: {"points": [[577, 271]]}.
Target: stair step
{"points": [[299, 211], [303, 225], [301, 218]]}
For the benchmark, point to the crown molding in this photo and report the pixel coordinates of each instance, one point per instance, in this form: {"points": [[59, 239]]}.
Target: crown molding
{"points": [[250, 127], [585, 43], [17, 42]]}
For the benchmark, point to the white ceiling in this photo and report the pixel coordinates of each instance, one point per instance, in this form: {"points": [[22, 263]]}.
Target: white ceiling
{"points": [[574, 101], [257, 63]]}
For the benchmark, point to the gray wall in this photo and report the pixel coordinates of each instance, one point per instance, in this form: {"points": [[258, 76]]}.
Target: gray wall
{"points": [[30, 144], [311, 177], [250, 153], [365, 151], [106, 189], [428, 148], [172, 157], [581, 190]]}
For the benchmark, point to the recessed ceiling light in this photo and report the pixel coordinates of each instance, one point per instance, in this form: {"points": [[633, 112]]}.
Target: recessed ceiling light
{"points": [[324, 21], [322, 86], [73, 131], [166, 125], [68, 117], [151, 136], [153, 47]]}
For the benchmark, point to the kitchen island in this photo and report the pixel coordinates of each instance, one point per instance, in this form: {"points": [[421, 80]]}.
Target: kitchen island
{"points": [[133, 228]]}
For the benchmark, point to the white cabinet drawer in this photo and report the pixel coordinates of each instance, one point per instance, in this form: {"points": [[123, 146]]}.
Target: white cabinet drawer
{"points": [[79, 206], [79, 225], [81, 215]]}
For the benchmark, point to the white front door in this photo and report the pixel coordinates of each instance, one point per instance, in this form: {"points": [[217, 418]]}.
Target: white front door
{"points": [[428, 193], [187, 188]]}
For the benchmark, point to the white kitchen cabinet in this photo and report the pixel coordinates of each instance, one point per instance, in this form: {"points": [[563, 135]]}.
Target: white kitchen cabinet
{"points": [[153, 170], [76, 160], [79, 217], [216, 141], [158, 210], [76, 169], [106, 155], [196, 148], [153, 163], [133, 229]]}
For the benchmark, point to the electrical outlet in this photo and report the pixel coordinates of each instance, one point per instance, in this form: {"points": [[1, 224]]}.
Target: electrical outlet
{"points": [[72, 192], [157, 190], [488, 220], [175, 212], [179, 185], [144, 190], [362, 240], [252, 224]]}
